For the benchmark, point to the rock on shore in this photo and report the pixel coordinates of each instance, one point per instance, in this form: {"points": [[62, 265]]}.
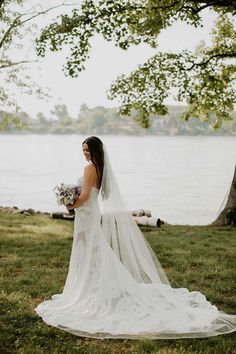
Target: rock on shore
{"points": [[16, 210]]}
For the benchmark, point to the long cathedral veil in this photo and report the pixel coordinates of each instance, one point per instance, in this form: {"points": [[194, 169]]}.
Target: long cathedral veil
{"points": [[123, 234]]}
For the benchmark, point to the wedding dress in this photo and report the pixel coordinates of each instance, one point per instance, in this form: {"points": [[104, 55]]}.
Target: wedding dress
{"points": [[116, 287]]}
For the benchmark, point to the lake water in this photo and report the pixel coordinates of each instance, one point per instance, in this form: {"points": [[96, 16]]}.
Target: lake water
{"points": [[181, 179]]}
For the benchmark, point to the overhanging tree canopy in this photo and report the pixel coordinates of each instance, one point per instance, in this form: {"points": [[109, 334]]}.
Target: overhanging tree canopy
{"points": [[204, 79]]}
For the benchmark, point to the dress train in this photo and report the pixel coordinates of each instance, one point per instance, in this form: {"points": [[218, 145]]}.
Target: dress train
{"points": [[102, 297]]}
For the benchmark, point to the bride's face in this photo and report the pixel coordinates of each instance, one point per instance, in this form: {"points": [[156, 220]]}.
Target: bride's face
{"points": [[86, 152]]}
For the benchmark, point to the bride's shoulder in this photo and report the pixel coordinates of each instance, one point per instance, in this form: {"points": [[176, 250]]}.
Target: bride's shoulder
{"points": [[90, 169]]}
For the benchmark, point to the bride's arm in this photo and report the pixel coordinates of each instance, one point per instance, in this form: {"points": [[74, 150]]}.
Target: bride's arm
{"points": [[89, 177]]}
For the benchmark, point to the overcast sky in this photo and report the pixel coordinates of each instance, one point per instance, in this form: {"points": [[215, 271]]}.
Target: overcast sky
{"points": [[105, 64]]}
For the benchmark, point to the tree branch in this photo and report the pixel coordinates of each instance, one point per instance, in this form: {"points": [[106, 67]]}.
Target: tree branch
{"points": [[201, 8], [43, 12], [6, 34], [220, 55], [215, 3], [9, 64], [1, 3]]}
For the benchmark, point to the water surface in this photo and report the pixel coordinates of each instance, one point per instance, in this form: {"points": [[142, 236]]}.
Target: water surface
{"points": [[181, 179]]}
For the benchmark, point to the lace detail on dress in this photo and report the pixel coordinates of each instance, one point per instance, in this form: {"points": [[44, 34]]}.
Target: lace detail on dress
{"points": [[84, 210], [94, 279]]}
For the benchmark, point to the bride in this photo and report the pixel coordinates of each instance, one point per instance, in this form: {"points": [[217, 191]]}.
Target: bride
{"points": [[116, 287]]}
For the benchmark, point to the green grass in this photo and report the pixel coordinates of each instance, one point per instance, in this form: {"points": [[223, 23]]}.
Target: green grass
{"points": [[35, 254]]}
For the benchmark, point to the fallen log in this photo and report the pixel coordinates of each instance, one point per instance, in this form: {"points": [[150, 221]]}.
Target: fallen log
{"points": [[148, 221], [64, 216]]}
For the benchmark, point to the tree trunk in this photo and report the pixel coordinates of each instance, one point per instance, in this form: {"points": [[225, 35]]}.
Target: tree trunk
{"points": [[227, 217]]}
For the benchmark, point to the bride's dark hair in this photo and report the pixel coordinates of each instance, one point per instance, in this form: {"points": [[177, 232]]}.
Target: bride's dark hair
{"points": [[97, 155]]}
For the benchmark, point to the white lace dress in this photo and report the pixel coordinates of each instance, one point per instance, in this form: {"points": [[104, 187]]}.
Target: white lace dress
{"points": [[102, 299]]}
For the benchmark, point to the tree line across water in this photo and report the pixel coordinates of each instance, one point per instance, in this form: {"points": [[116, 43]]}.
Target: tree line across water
{"points": [[103, 120]]}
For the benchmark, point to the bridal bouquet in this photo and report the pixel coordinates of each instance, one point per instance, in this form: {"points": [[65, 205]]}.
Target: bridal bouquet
{"points": [[67, 193]]}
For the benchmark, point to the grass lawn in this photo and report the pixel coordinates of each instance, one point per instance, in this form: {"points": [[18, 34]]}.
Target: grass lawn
{"points": [[35, 253]]}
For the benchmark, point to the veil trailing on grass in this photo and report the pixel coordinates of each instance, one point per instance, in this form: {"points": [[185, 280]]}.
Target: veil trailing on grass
{"points": [[123, 234]]}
